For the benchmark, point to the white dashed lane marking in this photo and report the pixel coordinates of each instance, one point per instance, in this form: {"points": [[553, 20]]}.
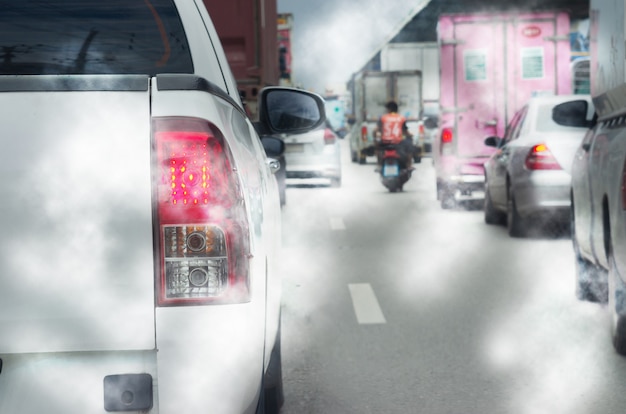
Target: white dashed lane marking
{"points": [[365, 304]]}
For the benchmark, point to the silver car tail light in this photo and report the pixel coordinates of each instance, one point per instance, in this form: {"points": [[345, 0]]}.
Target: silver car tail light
{"points": [[203, 230], [540, 158]]}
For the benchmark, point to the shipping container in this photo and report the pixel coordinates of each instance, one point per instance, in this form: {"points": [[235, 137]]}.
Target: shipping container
{"points": [[248, 29]]}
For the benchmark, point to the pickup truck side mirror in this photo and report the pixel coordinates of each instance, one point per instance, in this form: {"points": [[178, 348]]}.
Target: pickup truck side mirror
{"points": [[289, 111], [573, 114]]}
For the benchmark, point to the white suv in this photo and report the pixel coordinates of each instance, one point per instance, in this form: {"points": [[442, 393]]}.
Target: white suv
{"points": [[140, 215]]}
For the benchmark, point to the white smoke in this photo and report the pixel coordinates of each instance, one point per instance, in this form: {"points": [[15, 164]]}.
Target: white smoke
{"points": [[335, 39]]}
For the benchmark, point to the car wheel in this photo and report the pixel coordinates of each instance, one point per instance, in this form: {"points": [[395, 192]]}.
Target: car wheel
{"points": [[448, 201], [362, 158], [353, 156], [515, 223], [335, 182], [617, 308], [492, 216], [274, 397], [591, 280]]}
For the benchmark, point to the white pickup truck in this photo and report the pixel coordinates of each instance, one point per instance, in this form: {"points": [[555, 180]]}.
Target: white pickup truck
{"points": [[140, 215], [599, 173]]}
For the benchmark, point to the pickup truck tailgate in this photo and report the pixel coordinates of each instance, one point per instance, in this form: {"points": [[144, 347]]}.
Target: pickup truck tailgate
{"points": [[76, 257]]}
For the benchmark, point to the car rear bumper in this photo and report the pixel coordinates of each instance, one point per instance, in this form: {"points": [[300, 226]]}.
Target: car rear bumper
{"points": [[545, 194], [314, 172]]}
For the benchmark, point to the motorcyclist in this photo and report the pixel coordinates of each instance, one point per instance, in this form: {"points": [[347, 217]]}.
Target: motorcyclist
{"points": [[392, 129]]}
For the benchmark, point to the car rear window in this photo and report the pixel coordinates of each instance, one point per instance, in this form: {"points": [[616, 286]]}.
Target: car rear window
{"points": [[545, 122], [92, 37]]}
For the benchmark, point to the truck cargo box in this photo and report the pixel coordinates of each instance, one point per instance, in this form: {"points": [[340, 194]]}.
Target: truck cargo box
{"points": [[491, 64]]}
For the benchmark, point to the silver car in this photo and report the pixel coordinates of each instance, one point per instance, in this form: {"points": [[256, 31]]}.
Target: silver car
{"points": [[314, 154], [529, 175]]}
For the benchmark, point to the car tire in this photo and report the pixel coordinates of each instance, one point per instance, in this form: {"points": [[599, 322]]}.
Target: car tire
{"points": [[273, 393], [515, 223], [591, 280], [617, 308], [353, 156], [448, 200], [492, 216], [362, 158]]}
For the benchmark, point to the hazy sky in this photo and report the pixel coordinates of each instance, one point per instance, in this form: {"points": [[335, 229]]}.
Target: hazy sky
{"points": [[334, 38]]}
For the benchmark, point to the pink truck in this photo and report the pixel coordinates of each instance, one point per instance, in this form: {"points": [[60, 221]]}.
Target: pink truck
{"points": [[491, 64]]}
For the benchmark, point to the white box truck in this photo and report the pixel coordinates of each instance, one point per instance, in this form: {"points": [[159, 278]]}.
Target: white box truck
{"points": [[370, 92]]}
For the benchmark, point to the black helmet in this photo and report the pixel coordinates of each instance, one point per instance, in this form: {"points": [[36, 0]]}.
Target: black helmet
{"points": [[392, 106]]}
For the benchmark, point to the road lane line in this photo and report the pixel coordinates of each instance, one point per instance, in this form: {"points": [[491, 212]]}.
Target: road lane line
{"points": [[365, 304], [336, 223]]}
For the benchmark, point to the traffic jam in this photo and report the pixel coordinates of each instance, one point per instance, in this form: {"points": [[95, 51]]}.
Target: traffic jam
{"points": [[280, 206]]}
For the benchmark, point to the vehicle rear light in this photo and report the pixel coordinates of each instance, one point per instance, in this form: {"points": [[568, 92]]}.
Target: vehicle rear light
{"points": [[364, 133], [540, 158], [447, 138], [329, 137], [203, 228]]}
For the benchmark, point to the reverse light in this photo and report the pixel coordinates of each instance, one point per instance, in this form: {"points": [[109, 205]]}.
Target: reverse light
{"points": [[540, 158], [202, 221], [329, 137]]}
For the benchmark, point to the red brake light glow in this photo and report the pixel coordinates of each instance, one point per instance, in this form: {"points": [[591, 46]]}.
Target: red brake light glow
{"points": [[329, 137], [540, 158], [446, 136], [364, 133], [202, 220]]}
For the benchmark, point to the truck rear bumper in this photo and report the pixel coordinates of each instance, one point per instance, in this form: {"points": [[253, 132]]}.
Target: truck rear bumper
{"points": [[463, 183]]}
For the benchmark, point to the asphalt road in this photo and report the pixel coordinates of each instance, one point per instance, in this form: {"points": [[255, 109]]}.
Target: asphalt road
{"points": [[393, 305]]}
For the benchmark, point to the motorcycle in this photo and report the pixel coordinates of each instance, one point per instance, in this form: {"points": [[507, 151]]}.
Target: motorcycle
{"points": [[394, 172]]}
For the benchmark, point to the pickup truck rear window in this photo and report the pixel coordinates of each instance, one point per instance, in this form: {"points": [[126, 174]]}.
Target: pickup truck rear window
{"points": [[92, 37]]}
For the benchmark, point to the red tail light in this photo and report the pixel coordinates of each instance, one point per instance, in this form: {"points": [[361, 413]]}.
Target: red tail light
{"points": [[202, 220], [329, 137], [446, 136], [364, 133], [540, 158]]}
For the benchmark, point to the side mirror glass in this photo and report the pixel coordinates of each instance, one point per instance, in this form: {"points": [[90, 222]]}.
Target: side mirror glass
{"points": [[430, 123], [290, 111], [573, 114], [274, 147], [493, 142]]}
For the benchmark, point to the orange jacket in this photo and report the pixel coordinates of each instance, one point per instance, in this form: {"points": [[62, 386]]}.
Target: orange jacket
{"points": [[392, 127]]}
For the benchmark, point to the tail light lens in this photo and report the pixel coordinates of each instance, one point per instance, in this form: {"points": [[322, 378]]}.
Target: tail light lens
{"points": [[364, 133], [329, 137], [202, 220], [447, 138], [540, 158]]}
